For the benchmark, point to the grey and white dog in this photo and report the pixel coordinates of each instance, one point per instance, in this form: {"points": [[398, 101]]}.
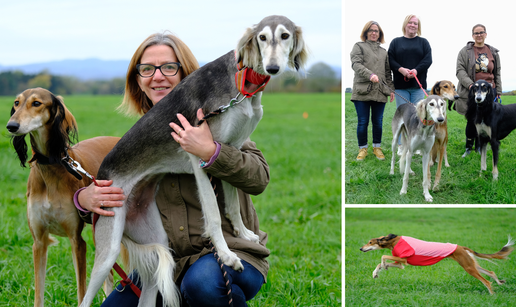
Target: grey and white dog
{"points": [[147, 152], [416, 125]]}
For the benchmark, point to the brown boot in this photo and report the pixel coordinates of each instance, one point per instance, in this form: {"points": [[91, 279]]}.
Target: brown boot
{"points": [[362, 153], [378, 153]]}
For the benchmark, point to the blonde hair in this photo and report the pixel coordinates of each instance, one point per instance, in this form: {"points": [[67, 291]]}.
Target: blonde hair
{"points": [[135, 101], [366, 28], [406, 21]]}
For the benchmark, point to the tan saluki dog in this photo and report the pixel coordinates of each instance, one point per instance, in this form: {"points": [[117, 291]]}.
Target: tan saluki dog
{"points": [[446, 90], [50, 187], [466, 257]]}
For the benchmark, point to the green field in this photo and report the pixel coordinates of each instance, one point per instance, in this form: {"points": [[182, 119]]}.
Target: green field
{"points": [[443, 284], [300, 210], [369, 181]]}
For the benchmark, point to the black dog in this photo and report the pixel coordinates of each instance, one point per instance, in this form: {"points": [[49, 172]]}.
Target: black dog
{"points": [[493, 121]]}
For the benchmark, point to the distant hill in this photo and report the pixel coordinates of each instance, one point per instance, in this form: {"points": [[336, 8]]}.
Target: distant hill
{"points": [[90, 69]]}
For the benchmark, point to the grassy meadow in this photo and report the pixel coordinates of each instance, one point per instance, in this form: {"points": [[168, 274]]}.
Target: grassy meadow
{"points": [[369, 181], [484, 230], [300, 210]]}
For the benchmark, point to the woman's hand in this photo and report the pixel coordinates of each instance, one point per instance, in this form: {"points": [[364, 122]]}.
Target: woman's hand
{"points": [[392, 97], [95, 198], [374, 78], [196, 140]]}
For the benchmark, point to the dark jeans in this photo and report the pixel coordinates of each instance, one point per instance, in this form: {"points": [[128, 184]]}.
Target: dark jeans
{"points": [[364, 110], [202, 285]]}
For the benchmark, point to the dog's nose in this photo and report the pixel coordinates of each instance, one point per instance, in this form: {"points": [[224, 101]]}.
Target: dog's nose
{"points": [[456, 97], [440, 119], [13, 127], [272, 69]]}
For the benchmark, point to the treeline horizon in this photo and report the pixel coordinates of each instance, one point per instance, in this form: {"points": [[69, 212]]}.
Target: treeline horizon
{"points": [[319, 78]]}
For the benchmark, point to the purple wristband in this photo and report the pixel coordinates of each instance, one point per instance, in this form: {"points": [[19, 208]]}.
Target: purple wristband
{"points": [[76, 201], [203, 164]]}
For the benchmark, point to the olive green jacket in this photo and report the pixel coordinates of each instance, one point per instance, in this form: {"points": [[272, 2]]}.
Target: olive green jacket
{"points": [[466, 74], [369, 58], [182, 217]]}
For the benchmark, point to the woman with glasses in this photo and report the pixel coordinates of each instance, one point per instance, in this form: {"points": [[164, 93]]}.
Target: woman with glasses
{"points": [[410, 57], [371, 66], [476, 61], [156, 67]]}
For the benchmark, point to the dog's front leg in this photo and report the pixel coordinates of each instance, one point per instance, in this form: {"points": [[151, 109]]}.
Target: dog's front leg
{"points": [[212, 219], [377, 270], [407, 172], [233, 214], [426, 182]]}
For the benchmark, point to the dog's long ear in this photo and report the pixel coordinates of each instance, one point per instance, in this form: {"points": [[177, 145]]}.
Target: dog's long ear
{"points": [[247, 49], [299, 53], [20, 146], [436, 89], [421, 109], [472, 105], [63, 132]]}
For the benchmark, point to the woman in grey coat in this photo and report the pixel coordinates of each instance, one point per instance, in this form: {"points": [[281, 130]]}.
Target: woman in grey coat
{"points": [[371, 65], [476, 61]]}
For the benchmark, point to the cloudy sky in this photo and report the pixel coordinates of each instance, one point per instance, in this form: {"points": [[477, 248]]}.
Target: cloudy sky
{"points": [[36, 31], [447, 26]]}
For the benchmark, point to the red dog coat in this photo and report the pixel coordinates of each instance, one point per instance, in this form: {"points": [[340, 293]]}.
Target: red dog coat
{"points": [[422, 253]]}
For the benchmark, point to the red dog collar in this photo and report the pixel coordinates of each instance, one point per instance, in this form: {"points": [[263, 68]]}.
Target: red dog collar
{"points": [[248, 81], [427, 122]]}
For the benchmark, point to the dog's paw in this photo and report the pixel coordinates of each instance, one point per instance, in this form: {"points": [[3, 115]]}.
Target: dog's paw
{"points": [[429, 198], [246, 234], [375, 274], [231, 260], [403, 191], [412, 172]]}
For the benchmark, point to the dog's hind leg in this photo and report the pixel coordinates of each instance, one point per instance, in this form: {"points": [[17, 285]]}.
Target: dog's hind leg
{"points": [[108, 235], [212, 219], [233, 214], [79, 262], [470, 265], [441, 154]]}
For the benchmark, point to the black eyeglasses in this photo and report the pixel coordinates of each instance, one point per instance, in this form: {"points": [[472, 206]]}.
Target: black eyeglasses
{"points": [[167, 69], [479, 33]]}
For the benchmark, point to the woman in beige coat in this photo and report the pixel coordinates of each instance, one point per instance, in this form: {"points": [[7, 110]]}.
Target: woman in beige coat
{"points": [[371, 65]]}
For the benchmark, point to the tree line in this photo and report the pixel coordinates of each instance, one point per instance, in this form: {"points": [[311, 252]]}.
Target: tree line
{"points": [[319, 78]]}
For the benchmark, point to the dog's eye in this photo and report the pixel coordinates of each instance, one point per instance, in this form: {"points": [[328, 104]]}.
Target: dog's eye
{"points": [[36, 104], [16, 103], [262, 38], [432, 104], [285, 36]]}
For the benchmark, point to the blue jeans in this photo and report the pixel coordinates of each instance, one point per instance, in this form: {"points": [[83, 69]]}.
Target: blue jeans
{"points": [[414, 95], [364, 109], [202, 285]]}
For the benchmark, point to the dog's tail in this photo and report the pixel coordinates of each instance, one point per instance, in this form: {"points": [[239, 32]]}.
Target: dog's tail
{"points": [[502, 254], [158, 266]]}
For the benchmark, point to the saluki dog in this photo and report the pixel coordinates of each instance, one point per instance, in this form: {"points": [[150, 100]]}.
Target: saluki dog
{"points": [[147, 152], [50, 187], [446, 90], [417, 126], [493, 121], [407, 250]]}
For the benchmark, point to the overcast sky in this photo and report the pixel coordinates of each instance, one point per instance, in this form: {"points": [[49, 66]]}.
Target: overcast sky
{"points": [[445, 24], [39, 31]]}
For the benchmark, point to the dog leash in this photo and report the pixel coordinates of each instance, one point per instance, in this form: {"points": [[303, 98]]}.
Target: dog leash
{"points": [[224, 273], [420, 86]]}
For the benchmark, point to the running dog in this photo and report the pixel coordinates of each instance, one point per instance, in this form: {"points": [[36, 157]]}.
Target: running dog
{"points": [[147, 152], [446, 90], [407, 250], [417, 126], [493, 121], [51, 186]]}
